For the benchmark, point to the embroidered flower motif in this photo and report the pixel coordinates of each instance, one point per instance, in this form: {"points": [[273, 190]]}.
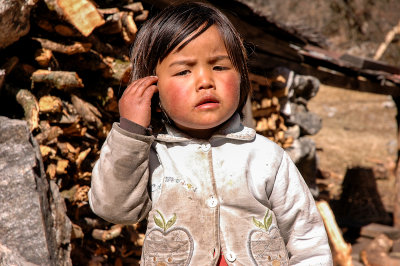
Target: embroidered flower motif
{"points": [[166, 245], [266, 246]]}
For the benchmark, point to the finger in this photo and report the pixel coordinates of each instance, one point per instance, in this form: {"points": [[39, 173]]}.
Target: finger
{"points": [[149, 92], [136, 84], [144, 84]]}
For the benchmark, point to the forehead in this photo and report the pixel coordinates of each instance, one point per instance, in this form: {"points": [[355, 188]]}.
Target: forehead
{"points": [[210, 40]]}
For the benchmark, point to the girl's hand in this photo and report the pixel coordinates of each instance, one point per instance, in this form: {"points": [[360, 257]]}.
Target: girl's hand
{"points": [[135, 103]]}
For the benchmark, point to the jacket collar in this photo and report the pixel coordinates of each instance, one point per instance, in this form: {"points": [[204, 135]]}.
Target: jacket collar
{"points": [[232, 129]]}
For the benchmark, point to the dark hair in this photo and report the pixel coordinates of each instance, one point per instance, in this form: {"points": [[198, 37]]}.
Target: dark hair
{"points": [[160, 35]]}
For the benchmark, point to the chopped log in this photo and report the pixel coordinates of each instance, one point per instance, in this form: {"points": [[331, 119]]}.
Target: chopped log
{"points": [[264, 112], [75, 130], [69, 115], [113, 24], [108, 11], [82, 156], [135, 7], [66, 31], [66, 148], [288, 142], [87, 111], [62, 80], [261, 80], [81, 195], [46, 150], [31, 108], [82, 14], [340, 249], [76, 232], [62, 166], [377, 253], [75, 48], [50, 104], [105, 235], [129, 28], [49, 135], [95, 223], [142, 17], [121, 72], [43, 57], [100, 46], [111, 102]]}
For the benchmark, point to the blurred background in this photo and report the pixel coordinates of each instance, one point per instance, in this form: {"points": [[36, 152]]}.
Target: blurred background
{"points": [[325, 77]]}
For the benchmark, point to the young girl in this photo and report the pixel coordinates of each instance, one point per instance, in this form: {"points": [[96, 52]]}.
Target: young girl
{"points": [[214, 191]]}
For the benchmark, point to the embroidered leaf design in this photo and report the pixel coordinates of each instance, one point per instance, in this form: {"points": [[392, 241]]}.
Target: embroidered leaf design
{"points": [[265, 220], [158, 222], [268, 223], [170, 222], [258, 223]]}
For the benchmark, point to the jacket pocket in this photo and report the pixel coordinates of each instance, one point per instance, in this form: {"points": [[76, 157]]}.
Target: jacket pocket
{"points": [[267, 247], [172, 247]]}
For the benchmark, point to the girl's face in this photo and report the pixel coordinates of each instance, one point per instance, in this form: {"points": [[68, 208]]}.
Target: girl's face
{"points": [[199, 87]]}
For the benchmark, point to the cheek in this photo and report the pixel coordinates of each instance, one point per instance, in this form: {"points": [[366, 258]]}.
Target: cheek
{"points": [[170, 94], [232, 85]]}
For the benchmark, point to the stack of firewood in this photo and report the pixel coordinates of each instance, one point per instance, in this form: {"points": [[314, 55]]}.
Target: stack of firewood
{"points": [[266, 110], [77, 64], [72, 77]]}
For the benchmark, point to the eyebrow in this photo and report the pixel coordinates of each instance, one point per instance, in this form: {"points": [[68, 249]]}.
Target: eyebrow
{"points": [[189, 62]]}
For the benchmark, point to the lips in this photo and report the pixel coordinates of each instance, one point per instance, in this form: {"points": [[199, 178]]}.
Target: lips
{"points": [[207, 101]]}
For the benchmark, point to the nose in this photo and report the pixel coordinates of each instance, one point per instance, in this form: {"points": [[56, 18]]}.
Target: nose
{"points": [[205, 79]]}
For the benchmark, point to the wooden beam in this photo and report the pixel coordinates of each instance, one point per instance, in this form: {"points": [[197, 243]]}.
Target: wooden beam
{"points": [[262, 63]]}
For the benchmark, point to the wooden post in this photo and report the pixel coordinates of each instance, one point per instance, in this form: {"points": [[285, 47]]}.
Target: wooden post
{"points": [[341, 251]]}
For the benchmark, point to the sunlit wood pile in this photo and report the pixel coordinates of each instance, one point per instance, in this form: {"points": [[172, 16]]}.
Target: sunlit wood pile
{"points": [[266, 110], [67, 85]]}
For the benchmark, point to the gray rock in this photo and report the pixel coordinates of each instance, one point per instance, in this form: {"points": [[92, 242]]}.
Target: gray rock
{"points": [[9, 257], [305, 87], [33, 219], [309, 122], [14, 20]]}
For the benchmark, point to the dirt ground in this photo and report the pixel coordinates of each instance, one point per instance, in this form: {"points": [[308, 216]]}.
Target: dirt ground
{"points": [[359, 130]]}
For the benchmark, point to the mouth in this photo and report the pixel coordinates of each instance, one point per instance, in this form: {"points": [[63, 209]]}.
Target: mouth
{"points": [[208, 101]]}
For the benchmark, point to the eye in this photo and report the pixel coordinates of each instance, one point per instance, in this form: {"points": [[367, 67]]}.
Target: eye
{"points": [[220, 68], [182, 73]]}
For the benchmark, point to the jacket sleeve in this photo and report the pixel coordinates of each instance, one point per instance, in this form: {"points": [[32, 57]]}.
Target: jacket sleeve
{"points": [[119, 185], [298, 218]]}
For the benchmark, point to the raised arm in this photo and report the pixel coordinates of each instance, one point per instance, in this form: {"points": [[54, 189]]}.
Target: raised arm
{"points": [[120, 177]]}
